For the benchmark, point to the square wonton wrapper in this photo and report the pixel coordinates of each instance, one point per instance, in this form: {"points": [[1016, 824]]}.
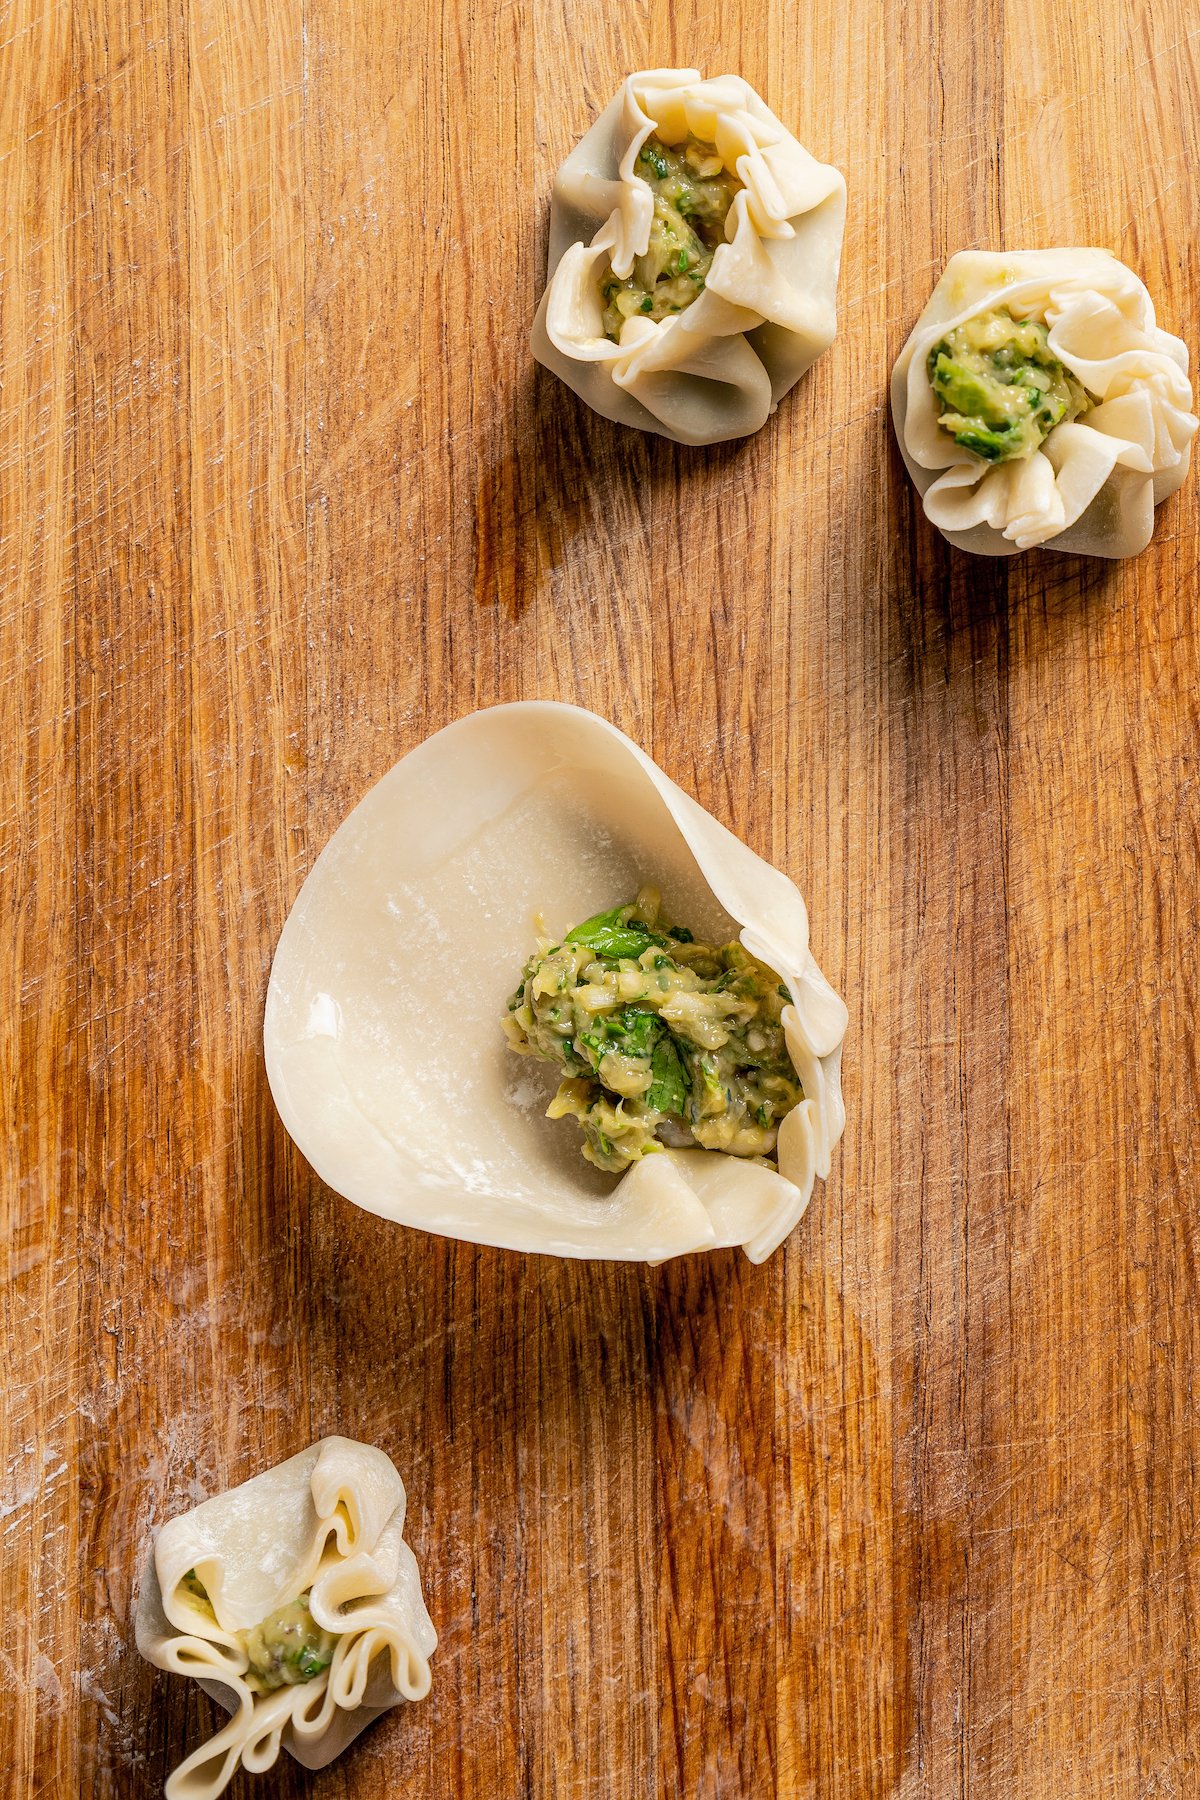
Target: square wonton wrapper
{"points": [[1092, 487], [718, 369], [384, 1047], [331, 1518]]}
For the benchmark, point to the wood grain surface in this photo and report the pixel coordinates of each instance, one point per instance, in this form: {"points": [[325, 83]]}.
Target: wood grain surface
{"points": [[913, 1509]]}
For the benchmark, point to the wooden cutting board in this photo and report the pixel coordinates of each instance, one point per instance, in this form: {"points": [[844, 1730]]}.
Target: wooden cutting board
{"points": [[911, 1510]]}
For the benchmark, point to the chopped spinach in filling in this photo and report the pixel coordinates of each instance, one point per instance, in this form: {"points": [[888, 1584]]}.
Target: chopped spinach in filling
{"points": [[1002, 389], [287, 1648], [661, 1040], [693, 192]]}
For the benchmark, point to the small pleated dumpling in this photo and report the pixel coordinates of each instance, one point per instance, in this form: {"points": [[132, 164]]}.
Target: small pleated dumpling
{"points": [[296, 1604], [694, 251], [1038, 402]]}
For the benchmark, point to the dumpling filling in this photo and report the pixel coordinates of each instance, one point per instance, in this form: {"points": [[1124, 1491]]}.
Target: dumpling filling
{"points": [[197, 1593], [286, 1649], [662, 1040], [1002, 389], [693, 192]]}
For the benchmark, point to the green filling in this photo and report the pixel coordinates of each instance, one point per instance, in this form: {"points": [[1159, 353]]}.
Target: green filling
{"points": [[693, 192], [660, 1038], [1002, 389], [286, 1649]]}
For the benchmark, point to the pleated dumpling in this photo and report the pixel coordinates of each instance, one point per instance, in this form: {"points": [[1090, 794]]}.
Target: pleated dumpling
{"points": [[296, 1604], [694, 252], [1038, 402]]}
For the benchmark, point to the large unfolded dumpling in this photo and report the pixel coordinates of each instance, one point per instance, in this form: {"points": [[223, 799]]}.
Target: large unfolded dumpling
{"points": [[384, 1047], [1089, 426], [694, 251], [296, 1604]]}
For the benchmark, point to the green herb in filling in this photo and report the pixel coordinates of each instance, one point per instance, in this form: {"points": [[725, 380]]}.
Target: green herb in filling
{"points": [[1002, 389], [287, 1648], [660, 1039], [693, 192]]}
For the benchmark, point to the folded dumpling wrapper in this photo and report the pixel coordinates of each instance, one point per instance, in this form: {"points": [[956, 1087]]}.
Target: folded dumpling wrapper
{"points": [[330, 1519], [1093, 486], [718, 369], [383, 1041]]}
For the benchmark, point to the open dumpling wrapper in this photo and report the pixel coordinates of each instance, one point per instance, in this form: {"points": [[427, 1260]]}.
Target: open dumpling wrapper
{"points": [[1093, 485], [383, 1040], [719, 368], [330, 1519]]}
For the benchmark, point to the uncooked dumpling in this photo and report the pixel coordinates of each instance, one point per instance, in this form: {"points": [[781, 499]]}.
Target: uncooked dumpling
{"points": [[694, 251], [383, 1044], [296, 1604], [1037, 402]]}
